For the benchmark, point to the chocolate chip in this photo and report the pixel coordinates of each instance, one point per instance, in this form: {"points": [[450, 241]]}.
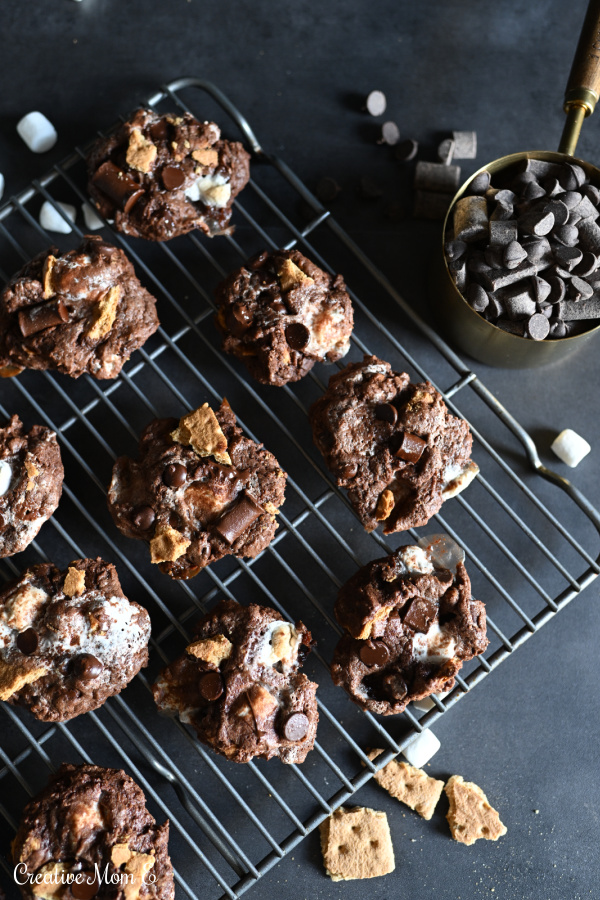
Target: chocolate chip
{"points": [[87, 667], [348, 470], [238, 519], [591, 192], [541, 288], [159, 131], [419, 614], [122, 189], [376, 103], [411, 448], [538, 327], [477, 297], [557, 289], [566, 234], [256, 262], [390, 134], [558, 329], [394, 686], [559, 210], [580, 289], [296, 727], [144, 518], [514, 254], [327, 190], [172, 177], [210, 686], [445, 153], [568, 257], [387, 413], [533, 191], [297, 335], [455, 249], [27, 641], [480, 183], [85, 889], [239, 318], [406, 150], [588, 264], [374, 653], [42, 316], [175, 475]]}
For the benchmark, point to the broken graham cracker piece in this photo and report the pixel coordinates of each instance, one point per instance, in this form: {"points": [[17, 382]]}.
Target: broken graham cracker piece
{"points": [[206, 156], [106, 311], [211, 650], [137, 865], [356, 843], [409, 785], [13, 678], [141, 152], [168, 545], [290, 274], [32, 472], [49, 264], [74, 582], [385, 505], [470, 815], [201, 429]]}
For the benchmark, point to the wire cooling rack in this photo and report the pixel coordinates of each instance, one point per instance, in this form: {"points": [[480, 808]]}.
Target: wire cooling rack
{"points": [[231, 823]]}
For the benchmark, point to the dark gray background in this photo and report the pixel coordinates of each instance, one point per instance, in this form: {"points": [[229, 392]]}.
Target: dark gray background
{"points": [[528, 735]]}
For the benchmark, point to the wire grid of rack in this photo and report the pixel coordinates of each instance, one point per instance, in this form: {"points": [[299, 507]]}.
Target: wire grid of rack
{"points": [[238, 821]]}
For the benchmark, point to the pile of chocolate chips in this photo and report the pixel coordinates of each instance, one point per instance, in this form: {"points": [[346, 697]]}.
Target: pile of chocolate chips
{"points": [[526, 254]]}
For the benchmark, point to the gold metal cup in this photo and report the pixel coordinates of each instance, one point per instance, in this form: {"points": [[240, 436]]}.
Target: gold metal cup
{"points": [[466, 328]]}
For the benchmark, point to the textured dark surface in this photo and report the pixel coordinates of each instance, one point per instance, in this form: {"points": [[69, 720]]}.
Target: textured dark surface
{"points": [[529, 734]]}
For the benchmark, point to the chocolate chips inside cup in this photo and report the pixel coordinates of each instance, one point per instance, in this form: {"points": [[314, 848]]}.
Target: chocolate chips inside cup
{"points": [[526, 247]]}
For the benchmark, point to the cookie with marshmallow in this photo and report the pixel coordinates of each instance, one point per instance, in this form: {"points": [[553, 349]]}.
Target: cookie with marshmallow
{"points": [[162, 176], [410, 623], [31, 478]]}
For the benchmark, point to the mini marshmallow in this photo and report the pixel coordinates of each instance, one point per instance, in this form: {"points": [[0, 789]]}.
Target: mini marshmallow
{"points": [[92, 220], [570, 447], [5, 477], [38, 132], [427, 703], [51, 219], [421, 748]]}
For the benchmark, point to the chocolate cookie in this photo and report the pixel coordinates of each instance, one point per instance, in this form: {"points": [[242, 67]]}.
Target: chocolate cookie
{"points": [[392, 444], [31, 478], [412, 623], [69, 640], [238, 685], [199, 491], [280, 314], [88, 834], [76, 312], [162, 176]]}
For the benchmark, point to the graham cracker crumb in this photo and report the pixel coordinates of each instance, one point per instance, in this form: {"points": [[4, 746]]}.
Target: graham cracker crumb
{"points": [[356, 843], [201, 429], [167, 546], [106, 311], [120, 854], [49, 264], [32, 472], [206, 156], [141, 152], [385, 505], [409, 785], [470, 815], [211, 650], [289, 274], [74, 582]]}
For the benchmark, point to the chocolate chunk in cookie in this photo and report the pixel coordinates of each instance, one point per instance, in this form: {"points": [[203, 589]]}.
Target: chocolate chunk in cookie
{"points": [[31, 478], [238, 685], [280, 314], [76, 312], [411, 625], [88, 834], [162, 176], [200, 490], [392, 444], [69, 639]]}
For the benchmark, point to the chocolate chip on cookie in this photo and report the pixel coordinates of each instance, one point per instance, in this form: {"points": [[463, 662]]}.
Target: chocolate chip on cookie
{"points": [[238, 685]]}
